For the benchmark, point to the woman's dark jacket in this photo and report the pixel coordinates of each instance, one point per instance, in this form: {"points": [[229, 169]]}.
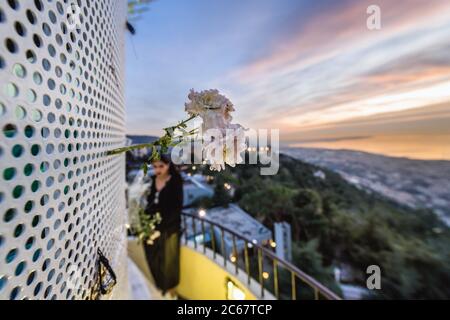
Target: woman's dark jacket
{"points": [[169, 205]]}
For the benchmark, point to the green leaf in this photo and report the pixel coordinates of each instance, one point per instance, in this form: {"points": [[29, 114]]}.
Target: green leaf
{"points": [[144, 167]]}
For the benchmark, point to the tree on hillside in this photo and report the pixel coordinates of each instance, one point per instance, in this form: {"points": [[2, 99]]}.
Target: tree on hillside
{"points": [[308, 258], [271, 202], [221, 196], [307, 219]]}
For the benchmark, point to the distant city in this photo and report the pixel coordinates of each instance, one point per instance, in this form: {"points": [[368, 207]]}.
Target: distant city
{"points": [[414, 183]]}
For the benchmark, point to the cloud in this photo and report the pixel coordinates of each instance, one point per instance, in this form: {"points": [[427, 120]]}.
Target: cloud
{"points": [[430, 120], [346, 138], [427, 64], [318, 79], [332, 31]]}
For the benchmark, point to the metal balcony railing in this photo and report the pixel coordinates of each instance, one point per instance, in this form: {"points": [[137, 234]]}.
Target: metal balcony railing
{"points": [[192, 222]]}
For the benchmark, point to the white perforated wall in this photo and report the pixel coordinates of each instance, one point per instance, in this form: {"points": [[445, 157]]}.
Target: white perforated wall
{"points": [[61, 109]]}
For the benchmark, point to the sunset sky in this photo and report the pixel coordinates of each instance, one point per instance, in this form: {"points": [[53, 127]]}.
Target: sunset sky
{"points": [[310, 68]]}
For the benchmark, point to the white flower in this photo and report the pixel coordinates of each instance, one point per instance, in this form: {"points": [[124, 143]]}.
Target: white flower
{"points": [[217, 167], [224, 141], [211, 106], [214, 120]]}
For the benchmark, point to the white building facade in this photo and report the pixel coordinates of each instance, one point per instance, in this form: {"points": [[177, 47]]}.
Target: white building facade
{"points": [[61, 108], [283, 239]]}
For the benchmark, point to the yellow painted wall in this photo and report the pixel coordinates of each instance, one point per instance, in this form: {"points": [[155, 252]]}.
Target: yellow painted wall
{"points": [[203, 279]]}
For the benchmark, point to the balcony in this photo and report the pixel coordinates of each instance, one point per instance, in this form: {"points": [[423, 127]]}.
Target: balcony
{"points": [[249, 271]]}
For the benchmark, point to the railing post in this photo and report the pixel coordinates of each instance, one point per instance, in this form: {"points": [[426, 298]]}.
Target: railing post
{"points": [[185, 230], [275, 279], [260, 269], [222, 240], [235, 254], [316, 294], [213, 240], [203, 235], [294, 291], [247, 262], [195, 232]]}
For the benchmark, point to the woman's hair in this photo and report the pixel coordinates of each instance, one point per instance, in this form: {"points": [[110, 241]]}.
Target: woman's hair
{"points": [[173, 171]]}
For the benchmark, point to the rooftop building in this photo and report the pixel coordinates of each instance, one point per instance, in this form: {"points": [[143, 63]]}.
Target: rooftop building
{"points": [[233, 218], [195, 189]]}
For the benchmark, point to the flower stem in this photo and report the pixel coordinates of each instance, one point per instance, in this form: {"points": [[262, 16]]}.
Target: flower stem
{"points": [[161, 141], [129, 148], [182, 123]]}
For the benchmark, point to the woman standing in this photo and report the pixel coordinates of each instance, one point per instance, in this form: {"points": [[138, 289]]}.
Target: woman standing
{"points": [[166, 197]]}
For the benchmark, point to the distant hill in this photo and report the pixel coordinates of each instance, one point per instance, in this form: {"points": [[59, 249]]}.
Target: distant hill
{"points": [[415, 183]]}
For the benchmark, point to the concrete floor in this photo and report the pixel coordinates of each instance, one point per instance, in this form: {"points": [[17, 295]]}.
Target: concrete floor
{"points": [[140, 287]]}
